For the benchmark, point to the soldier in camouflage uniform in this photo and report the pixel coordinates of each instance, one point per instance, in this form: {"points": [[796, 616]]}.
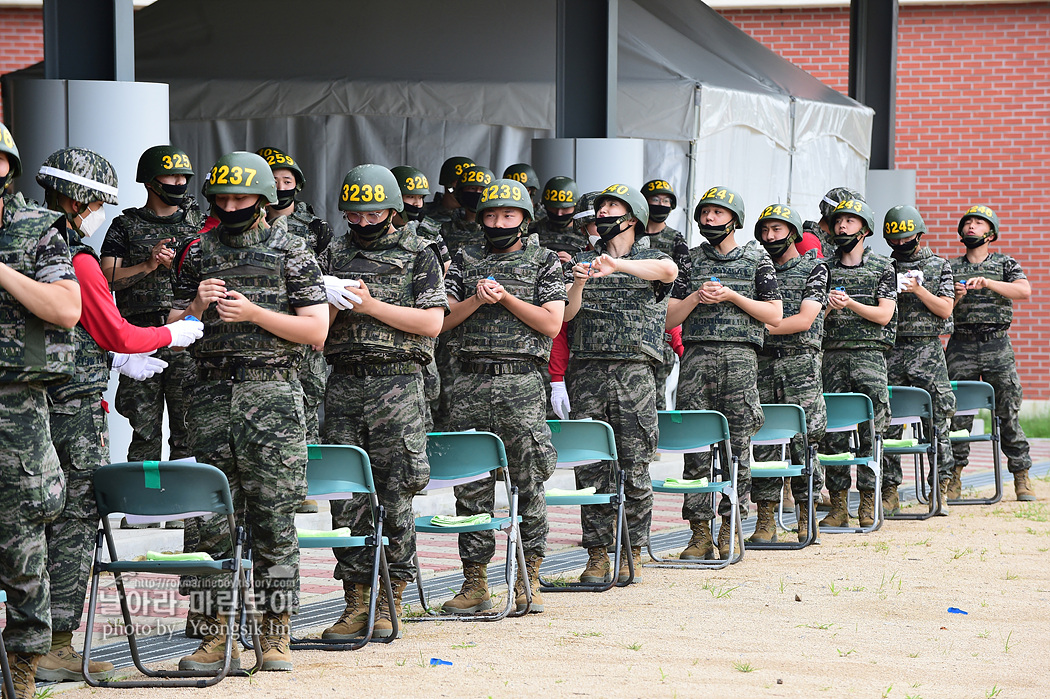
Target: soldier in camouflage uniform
{"points": [[822, 229], [925, 296], [258, 289], [76, 183], [986, 285], [662, 201], [724, 296], [315, 230], [136, 258], [859, 329], [617, 304], [39, 303], [789, 361], [556, 231], [441, 207], [526, 174], [380, 339], [507, 299]]}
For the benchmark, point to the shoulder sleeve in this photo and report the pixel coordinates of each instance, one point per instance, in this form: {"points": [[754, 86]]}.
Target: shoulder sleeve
{"points": [[551, 283], [116, 242], [817, 285], [766, 286], [887, 286], [454, 278], [680, 255], [187, 270], [428, 285], [303, 277], [1012, 270], [52, 256], [946, 287]]}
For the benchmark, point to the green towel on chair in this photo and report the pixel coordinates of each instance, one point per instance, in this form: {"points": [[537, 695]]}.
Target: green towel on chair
{"points": [[195, 556], [957, 434], [770, 464], [560, 492], [322, 533], [899, 443], [458, 521], [841, 456], [686, 482]]}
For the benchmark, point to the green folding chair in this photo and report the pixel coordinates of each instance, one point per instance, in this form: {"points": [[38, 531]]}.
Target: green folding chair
{"points": [[846, 413], [462, 457], [783, 423], [699, 431], [910, 406], [9, 682], [970, 398], [338, 472], [581, 442], [167, 490]]}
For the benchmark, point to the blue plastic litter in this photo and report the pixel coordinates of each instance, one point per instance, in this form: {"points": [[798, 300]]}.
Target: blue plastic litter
{"points": [[439, 661], [956, 610]]}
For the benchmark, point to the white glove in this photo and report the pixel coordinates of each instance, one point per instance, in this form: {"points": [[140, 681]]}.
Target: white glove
{"points": [[184, 332], [337, 293], [560, 399], [138, 366]]}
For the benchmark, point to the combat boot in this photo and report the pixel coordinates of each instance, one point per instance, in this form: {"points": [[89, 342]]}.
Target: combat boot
{"points": [[823, 503], [766, 527], [943, 489], [384, 626], [63, 663], [803, 525], [788, 495], [598, 569], [725, 531], [354, 621], [839, 515], [625, 570], [1023, 487], [276, 640], [891, 500], [210, 655], [532, 570], [955, 484], [866, 510], [474, 596], [701, 546], [23, 672]]}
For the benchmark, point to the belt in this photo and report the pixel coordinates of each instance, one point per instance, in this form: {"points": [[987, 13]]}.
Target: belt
{"points": [[385, 369], [904, 339], [497, 368], [247, 373], [781, 352], [982, 337]]}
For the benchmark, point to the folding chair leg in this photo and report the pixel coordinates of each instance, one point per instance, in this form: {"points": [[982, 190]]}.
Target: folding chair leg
{"points": [[9, 683], [934, 498], [997, 472]]}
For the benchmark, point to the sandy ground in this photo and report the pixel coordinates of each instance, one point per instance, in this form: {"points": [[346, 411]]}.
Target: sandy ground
{"points": [[857, 616]]}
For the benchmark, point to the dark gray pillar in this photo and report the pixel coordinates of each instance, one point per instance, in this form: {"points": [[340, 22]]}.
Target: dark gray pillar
{"points": [[873, 71], [586, 77], [89, 40]]}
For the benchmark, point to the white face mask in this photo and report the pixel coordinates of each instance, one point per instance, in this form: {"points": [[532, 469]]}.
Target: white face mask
{"points": [[92, 222], [594, 239]]}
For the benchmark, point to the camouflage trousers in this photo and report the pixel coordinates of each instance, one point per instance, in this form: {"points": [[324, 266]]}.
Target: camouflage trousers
{"points": [[511, 406], [80, 431], [431, 391], [992, 361], [254, 432], [32, 496], [622, 394], [313, 373], [448, 367], [795, 380], [919, 362], [142, 403], [384, 415], [855, 371], [721, 376]]}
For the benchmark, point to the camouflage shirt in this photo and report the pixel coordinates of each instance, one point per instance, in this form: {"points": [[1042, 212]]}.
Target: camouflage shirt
{"points": [[766, 288], [305, 224], [549, 287]]}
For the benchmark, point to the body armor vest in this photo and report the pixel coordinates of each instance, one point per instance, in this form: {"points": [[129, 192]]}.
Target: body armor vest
{"points": [[91, 366], [982, 306], [31, 350], [459, 232], [152, 295], [254, 266], [620, 317], [913, 318], [664, 240], [303, 223], [559, 238], [724, 322], [844, 329], [791, 278], [492, 330], [388, 273]]}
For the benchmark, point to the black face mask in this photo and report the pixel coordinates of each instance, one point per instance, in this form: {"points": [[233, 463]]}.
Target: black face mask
{"points": [[469, 200], [285, 198], [239, 220], [845, 243], [501, 238], [559, 219], [366, 234], [412, 213], [716, 234], [972, 242], [777, 248], [171, 194], [610, 226], [658, 213], [905, 249]]}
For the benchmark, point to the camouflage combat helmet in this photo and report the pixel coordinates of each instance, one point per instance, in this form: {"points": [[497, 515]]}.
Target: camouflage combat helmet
{"points": [[855, 207], [630, 196], [981, 211], [241, 172], [162, 160], [522, 172], [655, 187], [452, 168], [902, 222], [725, 198], [506, 192], [781, 212], [82, 175], [560, 193], [584, 211], [474, 176], [411, 180], [370, 188], [7, 145], [836, 195], [279, 160]]}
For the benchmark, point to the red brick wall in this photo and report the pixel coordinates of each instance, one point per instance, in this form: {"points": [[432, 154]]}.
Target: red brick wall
{"points": [[21, 39], [973, 120]]}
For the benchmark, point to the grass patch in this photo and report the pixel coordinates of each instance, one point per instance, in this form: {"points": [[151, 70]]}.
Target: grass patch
{"points": [[1032, 511], [744, 667], [1036, 423]]}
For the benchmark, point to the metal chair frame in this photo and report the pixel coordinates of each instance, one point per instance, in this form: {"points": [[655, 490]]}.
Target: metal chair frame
{"points": [[970, 398], [910, 406], [846, 412], [781, 424]]}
